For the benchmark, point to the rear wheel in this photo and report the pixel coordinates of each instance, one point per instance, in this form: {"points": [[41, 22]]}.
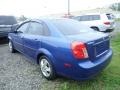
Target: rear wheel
{"points": [[46, 68], [11, 48], [95, 28]]}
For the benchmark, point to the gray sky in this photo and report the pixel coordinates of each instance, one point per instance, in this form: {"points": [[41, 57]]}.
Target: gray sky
{"points": [[46, 7]]}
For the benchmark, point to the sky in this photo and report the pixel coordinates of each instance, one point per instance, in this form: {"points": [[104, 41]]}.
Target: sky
{"points": [[33, 8]]}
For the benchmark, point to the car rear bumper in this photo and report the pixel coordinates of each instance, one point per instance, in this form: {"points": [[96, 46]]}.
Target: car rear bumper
{"points": [[109, 30], [87, 70]]}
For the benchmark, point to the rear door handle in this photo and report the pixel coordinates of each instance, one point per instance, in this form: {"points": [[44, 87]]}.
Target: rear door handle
{"points": [[36, 39], [21, 37]]}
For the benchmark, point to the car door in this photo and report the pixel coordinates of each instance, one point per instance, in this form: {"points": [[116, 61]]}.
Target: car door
{"points": [[32, 40], [18, 36]]}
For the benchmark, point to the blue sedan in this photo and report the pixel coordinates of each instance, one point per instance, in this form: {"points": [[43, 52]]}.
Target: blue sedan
{"points": [[62, 47]]}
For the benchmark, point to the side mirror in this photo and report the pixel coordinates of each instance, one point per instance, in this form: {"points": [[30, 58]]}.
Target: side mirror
{"points": [[17, 31]]}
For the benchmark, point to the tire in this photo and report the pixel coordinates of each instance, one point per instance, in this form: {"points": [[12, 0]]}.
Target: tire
{"points": [[95, 28], [11, 48], [46, 68]]}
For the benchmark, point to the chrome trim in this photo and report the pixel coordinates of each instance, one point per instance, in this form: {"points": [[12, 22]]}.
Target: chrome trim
{"points": [[91, 42], [101, 41], [102, 53]]}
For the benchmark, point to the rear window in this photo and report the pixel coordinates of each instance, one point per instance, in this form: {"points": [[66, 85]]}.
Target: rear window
{"points": [[71, 27], [89, 17], [7, 20], [110, 16]]}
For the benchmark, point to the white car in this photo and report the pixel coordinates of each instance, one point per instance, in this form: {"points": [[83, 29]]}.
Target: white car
{"points": [[100, 22]]}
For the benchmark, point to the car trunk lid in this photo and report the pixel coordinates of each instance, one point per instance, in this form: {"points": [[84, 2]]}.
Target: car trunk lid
{"points": [[96, 43]]}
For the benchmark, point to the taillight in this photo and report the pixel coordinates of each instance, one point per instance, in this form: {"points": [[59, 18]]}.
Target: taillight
{"points": [[107, 23], [79, 50]]}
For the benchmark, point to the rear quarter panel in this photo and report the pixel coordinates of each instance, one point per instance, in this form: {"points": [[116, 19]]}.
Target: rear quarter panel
{"points": [[58, 50]]}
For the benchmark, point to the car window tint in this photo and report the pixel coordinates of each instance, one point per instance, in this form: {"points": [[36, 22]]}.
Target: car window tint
{"points": [[83, 18], [76, 18], [110, 16], [23, 28], [35, 28], [89, 17], [71, 27], [95, 17], [7, 20], [46, 31]]}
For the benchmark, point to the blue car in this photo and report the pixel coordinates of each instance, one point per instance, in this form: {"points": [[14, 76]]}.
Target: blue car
{"points": [[62, 47]]}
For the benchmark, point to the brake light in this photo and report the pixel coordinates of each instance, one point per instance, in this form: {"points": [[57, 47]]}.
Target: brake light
{"points": [[107, 23], [79, 50]]}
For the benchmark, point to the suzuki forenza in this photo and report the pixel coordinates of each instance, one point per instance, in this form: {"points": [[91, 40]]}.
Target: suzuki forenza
{"points": [[62, 47]]}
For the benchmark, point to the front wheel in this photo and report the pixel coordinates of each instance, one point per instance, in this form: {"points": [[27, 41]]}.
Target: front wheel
{"points": [[46, 68], [11, 48]]}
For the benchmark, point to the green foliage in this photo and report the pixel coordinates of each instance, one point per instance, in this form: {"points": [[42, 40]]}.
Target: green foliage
{"points": [[115, 6], [22, 18]]}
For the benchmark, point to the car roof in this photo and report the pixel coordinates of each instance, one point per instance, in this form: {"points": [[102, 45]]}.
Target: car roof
{"points": [[93, 14], [46, 19]]}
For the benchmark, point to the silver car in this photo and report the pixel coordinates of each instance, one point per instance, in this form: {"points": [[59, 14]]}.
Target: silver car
{"points": [[100, 22]]}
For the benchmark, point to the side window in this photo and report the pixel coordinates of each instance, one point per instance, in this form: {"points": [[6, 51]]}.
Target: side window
{"points": [[84, 18], [77, 18], [46, 31], [80, 18], [35, 28], [23, 28], [110, 16], [89, 17], [96, 17]]}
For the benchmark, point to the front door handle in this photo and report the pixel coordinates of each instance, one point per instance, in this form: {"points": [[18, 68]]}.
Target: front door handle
{"points": [[21, 37], [36, 39]]}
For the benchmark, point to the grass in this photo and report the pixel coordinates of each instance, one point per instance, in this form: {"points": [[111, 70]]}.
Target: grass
{"points": [[109, 79], [118, 19]]}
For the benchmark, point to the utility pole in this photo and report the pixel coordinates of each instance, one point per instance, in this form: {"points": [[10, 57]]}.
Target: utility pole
{"points": [[68, 7]]}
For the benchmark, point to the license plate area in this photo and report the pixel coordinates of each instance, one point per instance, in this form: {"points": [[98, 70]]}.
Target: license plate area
{"points": [[101, 47]]}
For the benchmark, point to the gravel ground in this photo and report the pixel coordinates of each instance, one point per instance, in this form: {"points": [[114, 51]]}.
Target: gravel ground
{"points": [[18, 73]]}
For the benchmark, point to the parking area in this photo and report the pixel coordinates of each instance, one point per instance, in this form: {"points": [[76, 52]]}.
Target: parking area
{"points": [[18, 73]]}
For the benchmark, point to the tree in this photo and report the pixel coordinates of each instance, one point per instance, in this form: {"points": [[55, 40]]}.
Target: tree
{"points": [[22, 18], [115, 7]]}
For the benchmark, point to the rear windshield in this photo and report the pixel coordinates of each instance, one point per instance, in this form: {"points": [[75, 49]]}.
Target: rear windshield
{"points": [[110, 16], [7, 20], [88, 17], [71, 27]]}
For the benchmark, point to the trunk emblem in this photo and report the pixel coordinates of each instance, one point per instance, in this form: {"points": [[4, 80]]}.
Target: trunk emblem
{"points": [[91, 42]]}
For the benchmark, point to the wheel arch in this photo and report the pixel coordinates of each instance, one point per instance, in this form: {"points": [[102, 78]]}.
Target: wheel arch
{"points": [[45, 52], [95, 27], [9, 37], [38, 56]]}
